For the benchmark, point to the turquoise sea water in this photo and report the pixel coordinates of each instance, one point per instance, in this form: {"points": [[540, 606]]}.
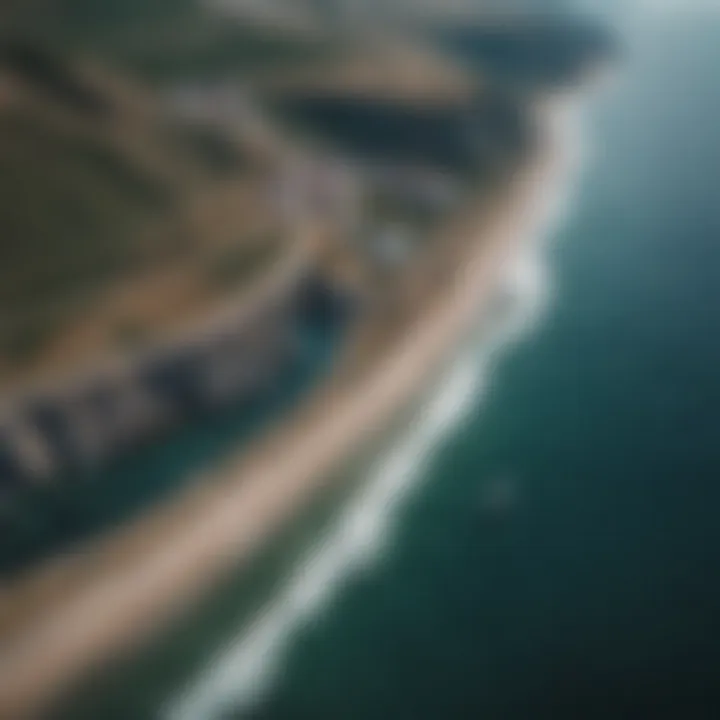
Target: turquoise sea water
{"points": [[558, 555]]}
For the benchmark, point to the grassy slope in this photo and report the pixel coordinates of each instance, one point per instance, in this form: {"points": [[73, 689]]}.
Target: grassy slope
{"points": [[94, 193], [161, 40], [98, 187]]}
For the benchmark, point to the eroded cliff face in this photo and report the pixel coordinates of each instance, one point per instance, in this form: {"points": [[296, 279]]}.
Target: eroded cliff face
{"points": [[89, 422]]}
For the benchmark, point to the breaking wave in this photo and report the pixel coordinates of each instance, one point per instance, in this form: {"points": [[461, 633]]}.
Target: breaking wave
{"points": [[242, 674]]}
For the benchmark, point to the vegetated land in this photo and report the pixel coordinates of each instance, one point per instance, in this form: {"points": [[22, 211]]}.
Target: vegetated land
{"points": [[114, 214], [161, 40], [119, 219]]}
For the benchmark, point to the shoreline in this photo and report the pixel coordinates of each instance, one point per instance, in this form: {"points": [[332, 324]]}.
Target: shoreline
{"points": [[265, 488]]}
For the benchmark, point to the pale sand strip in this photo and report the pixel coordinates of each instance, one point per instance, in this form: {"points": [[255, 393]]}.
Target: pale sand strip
{"points": [[262, 490]]}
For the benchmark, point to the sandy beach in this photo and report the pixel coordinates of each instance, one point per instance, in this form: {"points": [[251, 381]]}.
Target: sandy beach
{"points": [[131, 582]]}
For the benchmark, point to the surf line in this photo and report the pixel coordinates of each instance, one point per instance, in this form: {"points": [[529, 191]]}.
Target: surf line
{"points": [[246, 669]]}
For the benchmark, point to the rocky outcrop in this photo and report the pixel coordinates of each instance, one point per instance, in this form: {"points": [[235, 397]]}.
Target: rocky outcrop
{"points": [[48, 434]]}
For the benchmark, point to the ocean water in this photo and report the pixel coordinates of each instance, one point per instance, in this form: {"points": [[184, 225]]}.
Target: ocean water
{"points": [[550, 538], [542, 541]]}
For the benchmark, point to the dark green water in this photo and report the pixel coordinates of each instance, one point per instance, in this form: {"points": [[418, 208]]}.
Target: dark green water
{"points": [[560, 556], [595, 591]]}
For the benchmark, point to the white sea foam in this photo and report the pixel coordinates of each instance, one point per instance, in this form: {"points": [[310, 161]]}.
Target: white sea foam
{"points": [[245, 670]]}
